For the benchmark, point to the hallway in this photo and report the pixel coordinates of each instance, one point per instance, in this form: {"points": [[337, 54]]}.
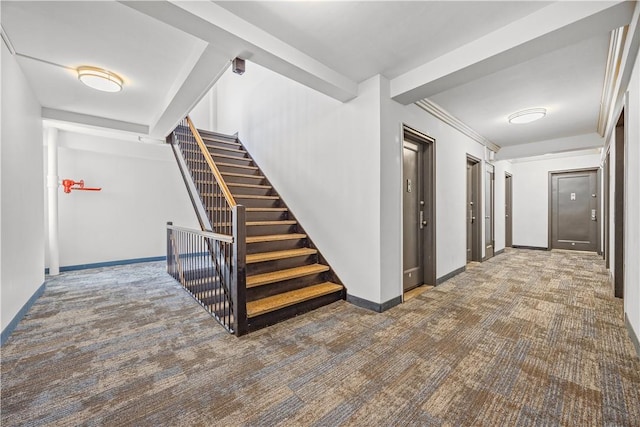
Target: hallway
{"points": [[526, 338]]}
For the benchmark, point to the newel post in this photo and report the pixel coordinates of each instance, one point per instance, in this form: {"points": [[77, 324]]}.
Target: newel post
{"points": [[239, 295]]}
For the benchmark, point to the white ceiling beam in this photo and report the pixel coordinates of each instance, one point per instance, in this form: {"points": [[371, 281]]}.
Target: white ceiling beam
{"points": [[557, 25], [204, 74], [551, 146], [235, 37], [53, 114]]}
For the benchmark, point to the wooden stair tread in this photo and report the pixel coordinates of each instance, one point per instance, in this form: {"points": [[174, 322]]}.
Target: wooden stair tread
{"points": [[286, 299], [275, 255], [267, 223], [253, 196], [289, 273], [254, 209], [260, 223], [219, 140], [236, 184], [232, 150], [231, 165], [274, 237], [242, 175], [244, 196], [266, 209], [226, 156]]}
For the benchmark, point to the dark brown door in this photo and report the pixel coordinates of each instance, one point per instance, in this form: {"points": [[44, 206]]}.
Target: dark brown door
{"points": [[574, 210], [488, 212], [618, 210], [472, 210], [508, 209], [606, 214], [413, 216]]}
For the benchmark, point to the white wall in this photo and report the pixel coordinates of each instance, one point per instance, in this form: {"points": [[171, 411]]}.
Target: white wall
{"points": [[451, 148], [350, 162], [322, 156], [632, 209], [531, 195], [21, 205], [142, 189], [204, 115]]}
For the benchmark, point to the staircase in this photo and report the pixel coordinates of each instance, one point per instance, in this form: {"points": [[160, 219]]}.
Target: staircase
{"points": [[284, 273]]}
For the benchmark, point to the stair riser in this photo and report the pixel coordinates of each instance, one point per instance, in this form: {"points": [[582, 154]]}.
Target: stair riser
{"points": [[235, 169], [280, 264], [250, 190], [217, 139], [264, 291], [216, 143], [226, 150], [244, 180], [274, 317], [233, 160], [266, 216], [254, 248], [208, 187], [263, 230], [258, 203]]}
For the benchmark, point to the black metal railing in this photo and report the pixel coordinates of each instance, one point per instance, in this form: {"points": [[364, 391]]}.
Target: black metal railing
{"points": [[191, 262], [213, 192], [210, 263]]}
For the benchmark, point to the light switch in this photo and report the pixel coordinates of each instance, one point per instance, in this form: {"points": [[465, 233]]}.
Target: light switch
{"points": [[573, 196]]}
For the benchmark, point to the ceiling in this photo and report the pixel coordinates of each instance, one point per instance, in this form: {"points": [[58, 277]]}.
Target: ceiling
{"points": [[480, 61]]}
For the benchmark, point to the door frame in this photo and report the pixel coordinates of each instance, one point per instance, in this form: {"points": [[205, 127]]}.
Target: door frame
{"points": [[476, 228], [619, 204], [606, 211], [550, 201], [489, 169], [428, 145], [508, 196]]}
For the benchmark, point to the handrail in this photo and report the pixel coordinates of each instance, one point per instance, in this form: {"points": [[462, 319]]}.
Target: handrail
{"points": [[216, 173], [209, 277], [215, 236], [209, 263]]}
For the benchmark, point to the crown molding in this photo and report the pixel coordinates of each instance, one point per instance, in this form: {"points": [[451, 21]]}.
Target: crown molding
{"points": [[442, 114], [630, 51], [612, 70]]}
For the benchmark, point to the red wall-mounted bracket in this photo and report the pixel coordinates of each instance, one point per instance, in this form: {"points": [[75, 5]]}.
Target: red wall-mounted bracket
{"points": [[68, 185]]}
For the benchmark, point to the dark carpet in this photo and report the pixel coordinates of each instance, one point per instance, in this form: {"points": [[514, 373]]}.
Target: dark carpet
{"points": [[526, 338]]}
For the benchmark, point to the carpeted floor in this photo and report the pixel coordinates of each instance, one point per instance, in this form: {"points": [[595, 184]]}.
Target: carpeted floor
{"points": [[526, 338]]}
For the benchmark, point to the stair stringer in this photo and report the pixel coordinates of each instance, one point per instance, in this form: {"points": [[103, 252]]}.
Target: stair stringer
{"points": [[330, 275]]}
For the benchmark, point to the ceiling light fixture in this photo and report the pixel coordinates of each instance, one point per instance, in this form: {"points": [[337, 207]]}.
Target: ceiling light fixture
{"points": [[527, 116], [100, 79]]}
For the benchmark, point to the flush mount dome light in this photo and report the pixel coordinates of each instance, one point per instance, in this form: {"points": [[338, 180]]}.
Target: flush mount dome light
{"points": [[527, 116], [100, 79]]}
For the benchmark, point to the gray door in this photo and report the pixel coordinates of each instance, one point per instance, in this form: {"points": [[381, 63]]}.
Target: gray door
{"points": [[606, 213], [508, 208], [472, 210], [574, 210], [413, 214], [470, 214], [488, 212]]}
